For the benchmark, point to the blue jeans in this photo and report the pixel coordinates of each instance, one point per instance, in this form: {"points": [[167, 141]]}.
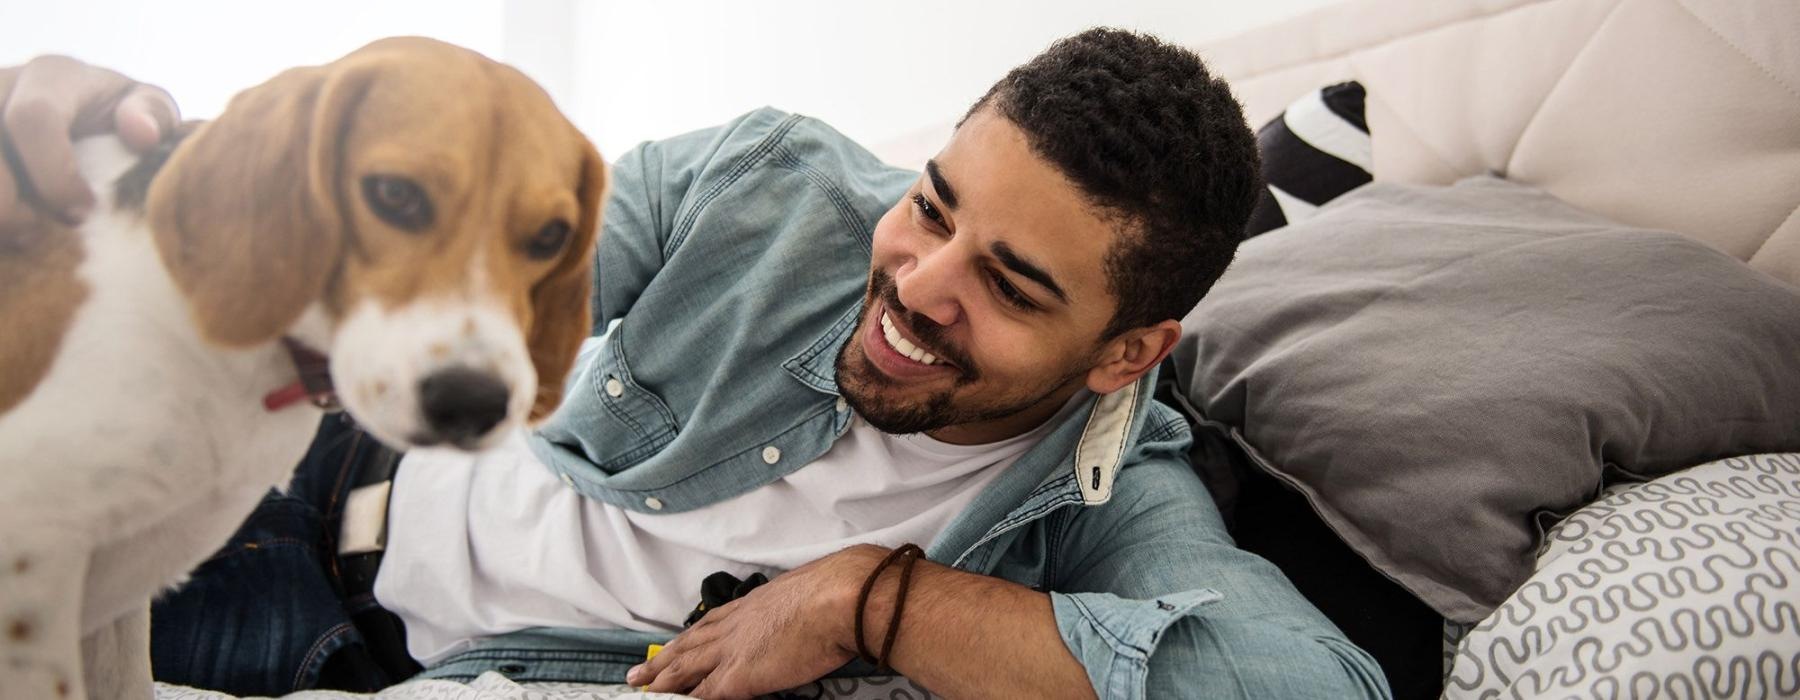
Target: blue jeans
{"points": [[268, 614]]}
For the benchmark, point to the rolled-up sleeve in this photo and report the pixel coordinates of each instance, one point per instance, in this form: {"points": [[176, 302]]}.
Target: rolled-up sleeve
{"points": [[1114, 637], [1155, 600]]}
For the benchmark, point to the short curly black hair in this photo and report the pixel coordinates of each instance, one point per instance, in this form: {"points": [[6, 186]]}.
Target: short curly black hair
{"points": [[1158, 144]]}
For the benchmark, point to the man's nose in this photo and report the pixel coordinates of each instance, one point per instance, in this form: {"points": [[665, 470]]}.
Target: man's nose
{"points": [[931, 288]]}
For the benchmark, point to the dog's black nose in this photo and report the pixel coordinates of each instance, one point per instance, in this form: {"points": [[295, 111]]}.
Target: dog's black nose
{"points": [[462, 404]]}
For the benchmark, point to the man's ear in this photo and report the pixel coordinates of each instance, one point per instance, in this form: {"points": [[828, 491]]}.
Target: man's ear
{"points": [[1131, 355]]}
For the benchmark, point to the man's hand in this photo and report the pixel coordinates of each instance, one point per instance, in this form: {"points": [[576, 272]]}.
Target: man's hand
{"points": [[47, 104], [787, 632]]}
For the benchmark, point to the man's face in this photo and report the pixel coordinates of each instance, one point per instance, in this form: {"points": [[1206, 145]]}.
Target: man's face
{"points": [[987, 294]]}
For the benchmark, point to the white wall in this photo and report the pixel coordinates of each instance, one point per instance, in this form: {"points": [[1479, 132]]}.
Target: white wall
{"points": [[875, 70], [204, 51], [627, 71]]}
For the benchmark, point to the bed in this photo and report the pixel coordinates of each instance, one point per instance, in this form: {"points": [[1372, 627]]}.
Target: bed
{"points": [[1662, 566]]}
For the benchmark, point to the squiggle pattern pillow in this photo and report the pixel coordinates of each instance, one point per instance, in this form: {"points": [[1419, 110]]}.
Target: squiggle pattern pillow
{"points": [[1686, 587]]}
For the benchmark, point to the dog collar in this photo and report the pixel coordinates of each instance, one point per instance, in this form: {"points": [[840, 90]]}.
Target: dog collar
{"points": [[314, 384]]}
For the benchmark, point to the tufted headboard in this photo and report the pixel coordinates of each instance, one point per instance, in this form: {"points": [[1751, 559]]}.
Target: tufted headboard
{"points": [[1673, 114]]}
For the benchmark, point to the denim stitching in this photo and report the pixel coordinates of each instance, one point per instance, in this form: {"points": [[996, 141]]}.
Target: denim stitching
{"points": [[805, 421], [1112, 638], [846, 213], [612, 405], [1032, 513], [1163, 431], [651, 438], [625, 375], [1053, 535], [800, 364], [684, 225], [1013, 523], [332, 634]]}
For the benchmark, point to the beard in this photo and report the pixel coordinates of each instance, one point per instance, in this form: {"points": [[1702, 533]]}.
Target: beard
{"points": [[882, 402]]}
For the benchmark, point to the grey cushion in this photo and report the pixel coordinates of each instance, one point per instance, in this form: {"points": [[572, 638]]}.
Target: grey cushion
{"points": [[1441, 371]]}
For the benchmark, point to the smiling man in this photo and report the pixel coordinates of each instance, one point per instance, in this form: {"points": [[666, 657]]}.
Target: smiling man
{"points": [[1005, 313], [810, 359]]}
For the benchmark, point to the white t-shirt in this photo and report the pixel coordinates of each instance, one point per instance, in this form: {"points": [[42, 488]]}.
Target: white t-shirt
{"points": [[480, 545]]}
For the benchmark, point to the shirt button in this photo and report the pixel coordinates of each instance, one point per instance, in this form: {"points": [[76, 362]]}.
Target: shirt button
{"points": [[653, 503], [567, 481], [842, 404], [614, 387], [771, 454]]}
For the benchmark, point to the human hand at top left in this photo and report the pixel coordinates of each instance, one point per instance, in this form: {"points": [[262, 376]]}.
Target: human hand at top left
{"points": [[788, 632], [46, 105]]}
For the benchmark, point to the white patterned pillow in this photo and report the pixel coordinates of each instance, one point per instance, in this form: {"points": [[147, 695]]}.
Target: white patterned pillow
{"points": [[1687, 586]]}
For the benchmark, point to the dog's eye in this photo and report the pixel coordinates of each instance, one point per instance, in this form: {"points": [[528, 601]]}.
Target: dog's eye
{"points": [[548, 241], [398, 201]]}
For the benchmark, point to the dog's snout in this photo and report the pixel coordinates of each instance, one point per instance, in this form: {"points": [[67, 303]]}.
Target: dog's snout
{"points": [[462, 404]]}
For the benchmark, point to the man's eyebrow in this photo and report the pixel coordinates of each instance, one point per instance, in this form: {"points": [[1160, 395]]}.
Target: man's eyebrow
{"points": [[938, 183], [1024, 267]]}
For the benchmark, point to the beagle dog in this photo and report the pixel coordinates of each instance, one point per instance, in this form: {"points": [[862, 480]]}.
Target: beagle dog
{"points": [[421, 216]]}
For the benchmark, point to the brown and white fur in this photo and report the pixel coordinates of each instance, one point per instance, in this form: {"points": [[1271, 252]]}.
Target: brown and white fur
{"points": [[138, 348]]}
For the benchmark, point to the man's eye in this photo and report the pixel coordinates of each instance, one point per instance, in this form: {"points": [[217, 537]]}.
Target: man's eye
{"points": [[928, 209], [1011, 294]]}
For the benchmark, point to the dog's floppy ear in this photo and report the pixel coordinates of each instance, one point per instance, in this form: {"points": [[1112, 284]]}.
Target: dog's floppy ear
{"points": [[560, 317], [246, 213]]}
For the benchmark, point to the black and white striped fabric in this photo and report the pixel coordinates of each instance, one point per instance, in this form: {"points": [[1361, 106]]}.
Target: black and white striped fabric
{"points": [[1316, 150]]}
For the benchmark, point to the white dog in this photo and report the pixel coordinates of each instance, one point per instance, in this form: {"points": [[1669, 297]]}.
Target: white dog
{"points": [[420, 215]]}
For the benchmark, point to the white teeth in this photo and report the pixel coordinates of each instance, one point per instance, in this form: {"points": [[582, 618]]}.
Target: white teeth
{"points": [[902, 345]]}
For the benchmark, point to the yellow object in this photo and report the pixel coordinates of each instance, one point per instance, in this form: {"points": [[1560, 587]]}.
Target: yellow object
{"points": [[650, 653]]}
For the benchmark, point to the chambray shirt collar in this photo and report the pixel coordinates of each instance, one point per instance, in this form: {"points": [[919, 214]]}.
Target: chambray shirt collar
{"points": [[816, 366], [1074, 465]]}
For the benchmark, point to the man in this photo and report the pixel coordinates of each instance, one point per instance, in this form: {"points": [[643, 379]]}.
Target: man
{"points": [[809, 359]]}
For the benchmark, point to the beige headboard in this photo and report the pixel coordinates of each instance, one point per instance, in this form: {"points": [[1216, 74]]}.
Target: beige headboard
{"points": [[1673, 114]]}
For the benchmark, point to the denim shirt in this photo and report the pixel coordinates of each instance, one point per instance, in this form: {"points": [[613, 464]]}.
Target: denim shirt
{"points": [[730, 272]]}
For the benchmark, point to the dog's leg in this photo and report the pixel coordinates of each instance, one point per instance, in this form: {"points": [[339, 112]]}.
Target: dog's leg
{"points": [[42, 571], [116, 659]]}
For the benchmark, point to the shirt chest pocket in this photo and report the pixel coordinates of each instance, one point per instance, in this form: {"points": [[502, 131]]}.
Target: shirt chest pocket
{"points": [[614, 421]]}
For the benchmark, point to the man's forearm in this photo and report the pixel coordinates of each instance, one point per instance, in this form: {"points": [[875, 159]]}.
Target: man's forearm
{"points": [[968, 635]]}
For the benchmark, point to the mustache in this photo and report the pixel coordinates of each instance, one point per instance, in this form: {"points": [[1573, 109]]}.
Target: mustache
{"points": [[934, 337]]}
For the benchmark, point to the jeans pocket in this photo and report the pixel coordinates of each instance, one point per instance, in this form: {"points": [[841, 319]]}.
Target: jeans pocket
{"points": [[259, 618]]}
